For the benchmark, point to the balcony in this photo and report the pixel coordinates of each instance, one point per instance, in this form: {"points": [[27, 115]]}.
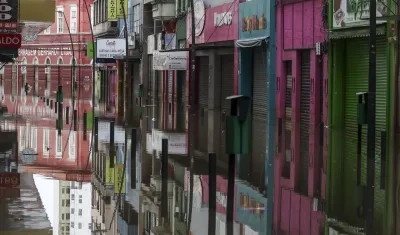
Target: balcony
{"points": [[164, 9]]}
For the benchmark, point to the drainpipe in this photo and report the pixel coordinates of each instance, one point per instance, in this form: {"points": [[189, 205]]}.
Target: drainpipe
{"points": [[270, 155]]}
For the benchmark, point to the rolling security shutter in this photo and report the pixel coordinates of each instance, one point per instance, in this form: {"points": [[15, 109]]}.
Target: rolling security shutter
{"points": [[170, 81], [259, 119], [304, 118], [227, 71], [203, 104], [357, 81]]}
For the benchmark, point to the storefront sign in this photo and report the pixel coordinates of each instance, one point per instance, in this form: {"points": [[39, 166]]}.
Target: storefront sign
{"points": [[177, 60], [54, 51], [112, 10], [347, 14], [9, 180], [120, 181], [253, 23], [199, 17], [224, 18], [150, 44], [251, 204], [10, 40], [177, 143], [110, 48], [254, 19], [8, 14]]}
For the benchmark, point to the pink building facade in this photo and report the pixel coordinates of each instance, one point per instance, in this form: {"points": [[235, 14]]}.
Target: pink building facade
{"points": [[300, 162]]}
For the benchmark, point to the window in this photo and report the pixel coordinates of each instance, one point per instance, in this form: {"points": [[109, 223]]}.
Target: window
{"points": [[80, 212], [67, 204], [63, 216], [72, 210], [63, 203], [90, 226], [72, 197], [63, 190], [22, 138], [60, 19], [46, 141], [36, 74], [80, 199], [72, 143], [73, 19], [59, 145], [47, 30], [72, 224], [48, 77], [34, 138], [68, 190], [67, 229], [67, 216], [79, 225], [136, 19], [92, 14]]}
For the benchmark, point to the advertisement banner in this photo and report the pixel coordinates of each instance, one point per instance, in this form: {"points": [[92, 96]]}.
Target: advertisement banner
{"points": [[177, 60], [109, 173], [347, 13], [120, 181], [37, 11], [110, 48], [112, 10], [10, 40], [9, 180], [253, 19]]}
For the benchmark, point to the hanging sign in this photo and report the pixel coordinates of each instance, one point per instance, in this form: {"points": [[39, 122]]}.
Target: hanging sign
{"points": [[8, 15], [9, 180]]}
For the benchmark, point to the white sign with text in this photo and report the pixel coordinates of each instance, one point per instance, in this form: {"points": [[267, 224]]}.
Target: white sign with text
{"points": [[177, 143], [224, 18], [177, 60], [110, 48]]}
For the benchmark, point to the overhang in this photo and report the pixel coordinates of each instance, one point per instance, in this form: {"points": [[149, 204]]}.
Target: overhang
{"points": [[251, 42], [355, 32], [35, 16]]}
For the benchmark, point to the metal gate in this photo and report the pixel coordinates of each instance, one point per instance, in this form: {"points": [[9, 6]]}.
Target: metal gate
{"points": [[356, 80], [227, 74], [259, 112], [202, 128], [304, 119]]}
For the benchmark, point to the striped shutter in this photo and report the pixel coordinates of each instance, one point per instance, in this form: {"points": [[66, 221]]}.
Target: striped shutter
{"points": [[357, 81], [227, 74], [203, 103], [259, 115], [304, 119]]}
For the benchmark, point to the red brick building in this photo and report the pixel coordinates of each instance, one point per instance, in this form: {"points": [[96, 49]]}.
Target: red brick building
{"points": [[46, 61]]}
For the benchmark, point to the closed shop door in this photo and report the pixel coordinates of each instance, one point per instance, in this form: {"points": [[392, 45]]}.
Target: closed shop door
{"points": [[203, 104], [304, 119], [259, 119], [136, 82], [227, 71], [356, 80]]}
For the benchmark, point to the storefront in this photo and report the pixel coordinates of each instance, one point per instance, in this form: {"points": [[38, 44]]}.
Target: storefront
{"points": [[251, 207], [256, 80], [216, 66], [349, 66]]}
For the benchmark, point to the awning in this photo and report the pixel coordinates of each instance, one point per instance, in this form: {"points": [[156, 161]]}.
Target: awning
{"points": [[251, 42], [355, 32]]}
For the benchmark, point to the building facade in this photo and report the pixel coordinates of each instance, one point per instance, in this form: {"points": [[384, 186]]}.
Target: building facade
{"points": [[80, 209], [348, 86], [301, 106], [256, 66], [62, 202]]}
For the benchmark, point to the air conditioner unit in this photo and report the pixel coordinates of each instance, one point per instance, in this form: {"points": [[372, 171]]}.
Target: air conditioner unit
{"points": [[132, 40], [47, 70]]}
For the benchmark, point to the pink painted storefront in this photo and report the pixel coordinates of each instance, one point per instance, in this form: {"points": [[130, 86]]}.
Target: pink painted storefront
{"points": [[299, 189], [216, 79]]}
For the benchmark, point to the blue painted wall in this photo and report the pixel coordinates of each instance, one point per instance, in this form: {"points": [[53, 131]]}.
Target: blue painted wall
{"points": [[253, 220]]}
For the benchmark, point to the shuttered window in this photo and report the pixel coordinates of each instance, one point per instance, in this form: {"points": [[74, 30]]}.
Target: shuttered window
{"points": [[259, 116]]}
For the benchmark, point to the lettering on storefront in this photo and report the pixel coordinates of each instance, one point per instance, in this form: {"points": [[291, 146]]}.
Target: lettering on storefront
{"points": [[37, 111], [224, 18], [252, 205], [45, 51], [9, 180], [253, 23]]}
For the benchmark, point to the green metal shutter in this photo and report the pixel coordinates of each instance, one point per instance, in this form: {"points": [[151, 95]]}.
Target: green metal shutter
{"points": [[259, 121], [227, 74], [304, 119], [357, 81], [203, 104]]}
